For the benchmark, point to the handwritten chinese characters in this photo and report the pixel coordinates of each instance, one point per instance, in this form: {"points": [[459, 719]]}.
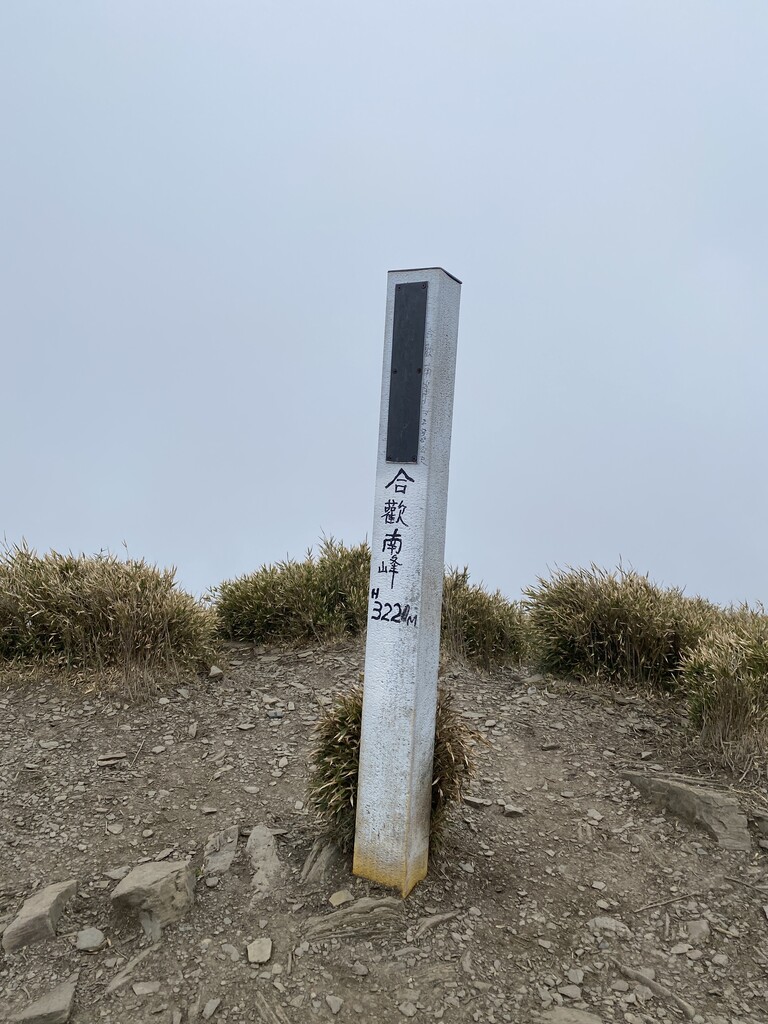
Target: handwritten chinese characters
{"points": [[393, 516], [393, 547]]}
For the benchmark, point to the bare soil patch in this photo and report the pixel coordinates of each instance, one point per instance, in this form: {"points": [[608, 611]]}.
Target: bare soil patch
{"points": [[507, 927]]}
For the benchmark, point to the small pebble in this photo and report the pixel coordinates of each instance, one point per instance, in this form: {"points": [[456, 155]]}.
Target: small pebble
{"points": [[210, 1008], [259, 951], [334, 1003], [146, 988]]}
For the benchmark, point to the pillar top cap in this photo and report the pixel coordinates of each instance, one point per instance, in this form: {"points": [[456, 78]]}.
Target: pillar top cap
{"points": [[416, 270]]}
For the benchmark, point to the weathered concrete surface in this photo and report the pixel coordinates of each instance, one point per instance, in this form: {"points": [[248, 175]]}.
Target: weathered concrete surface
{"points": [[717, 813], [39, 915], [402, 651]]}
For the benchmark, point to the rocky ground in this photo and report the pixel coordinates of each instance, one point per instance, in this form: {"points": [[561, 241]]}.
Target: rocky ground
{"points": [[568, 892]]}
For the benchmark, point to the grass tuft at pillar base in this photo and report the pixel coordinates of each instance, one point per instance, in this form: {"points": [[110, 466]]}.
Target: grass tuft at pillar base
{"points": [[334, 762]]}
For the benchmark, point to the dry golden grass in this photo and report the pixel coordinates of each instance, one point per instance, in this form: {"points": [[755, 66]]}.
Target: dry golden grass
{"points": [[725, 677], [325, 598], [322, 598], [125, 622], [79, 615], [479, 626], [335, 759], [617, 626]]}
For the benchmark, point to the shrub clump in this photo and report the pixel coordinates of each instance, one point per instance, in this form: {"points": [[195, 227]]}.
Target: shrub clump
{"points": [[325, 598], [98, 613], [726, 681], [480, 626], [322, 598], [619, 626], [334, 762]]}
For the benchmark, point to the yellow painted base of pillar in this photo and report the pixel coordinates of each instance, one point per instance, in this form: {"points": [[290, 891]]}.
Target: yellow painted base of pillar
{"points": [[402, 877]]}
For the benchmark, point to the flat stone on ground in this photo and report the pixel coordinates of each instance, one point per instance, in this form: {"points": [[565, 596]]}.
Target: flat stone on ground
{"points": [[512, 811], [38, 917], [259, 951], [698, 931], [262, 853], [565, 1015], [717, 813], [598, 925], [124, 974], [334, 1004], [365, 915], [146, 988], [220, 850], [53, 1008], [320, 860]]}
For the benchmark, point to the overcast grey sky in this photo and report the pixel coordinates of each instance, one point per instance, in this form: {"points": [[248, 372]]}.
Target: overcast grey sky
{"points": [[199, 203]]}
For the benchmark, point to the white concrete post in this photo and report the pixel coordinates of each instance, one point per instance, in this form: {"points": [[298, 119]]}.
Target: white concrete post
{"points": [[406, 589]]}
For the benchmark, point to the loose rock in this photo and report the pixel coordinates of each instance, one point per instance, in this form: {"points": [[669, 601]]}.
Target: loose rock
{"points": [[53, 1008], [161, 892], [565, 1015], [340, 897], [220, 850], [598, 925], [122, 976], [259, 951], [146, 988], [38, 917], [90, 939], [698, 931], [334, 1003], [364, 915], [262, 853], [570, 991], [716, 813], [320, 860]]}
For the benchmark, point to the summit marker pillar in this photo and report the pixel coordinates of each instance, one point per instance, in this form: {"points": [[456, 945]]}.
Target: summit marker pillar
{"points": [[406, 582]]}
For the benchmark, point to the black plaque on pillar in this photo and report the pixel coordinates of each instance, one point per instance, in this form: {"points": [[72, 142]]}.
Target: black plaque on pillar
{"points": [[404, 418]]}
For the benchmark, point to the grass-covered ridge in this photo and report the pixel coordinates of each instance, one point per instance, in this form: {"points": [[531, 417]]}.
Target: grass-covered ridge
{"points": [[479, 626], [325, 598], [624, 629], [130, 621], [725, 678], [618, 626], [98, 614]]}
